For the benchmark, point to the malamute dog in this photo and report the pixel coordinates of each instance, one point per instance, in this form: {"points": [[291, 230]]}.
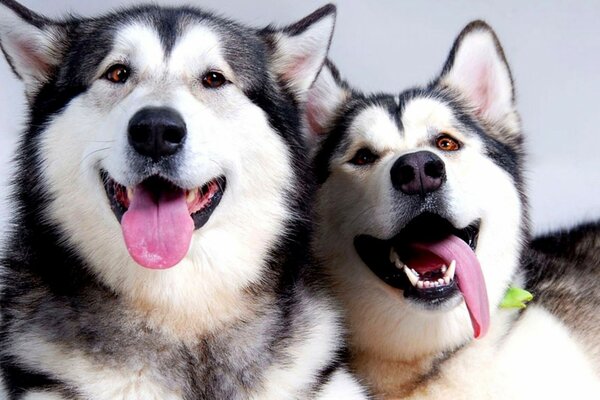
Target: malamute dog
{"points": [[158, 243], [422, 218]]}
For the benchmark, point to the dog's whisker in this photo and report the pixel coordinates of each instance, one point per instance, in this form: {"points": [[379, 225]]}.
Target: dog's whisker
{"points": [[91, 153], [101, 141]]}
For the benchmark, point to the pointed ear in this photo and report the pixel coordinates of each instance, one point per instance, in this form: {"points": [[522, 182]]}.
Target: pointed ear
{"points": [[299, 50], [325, 99], [32, 44], [478, 70]]}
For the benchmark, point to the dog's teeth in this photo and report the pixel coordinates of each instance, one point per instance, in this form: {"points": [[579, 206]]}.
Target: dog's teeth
{"points": [[413, 279], [395, 259], [440, 281], [427, 284], [444, 269], [420, 284], [130, 193], [393, 256], [451, 270], [191, 196], [446, 280], [415, 272]]}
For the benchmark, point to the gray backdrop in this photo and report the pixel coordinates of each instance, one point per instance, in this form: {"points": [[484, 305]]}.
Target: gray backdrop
{"points": [[553, 48]]}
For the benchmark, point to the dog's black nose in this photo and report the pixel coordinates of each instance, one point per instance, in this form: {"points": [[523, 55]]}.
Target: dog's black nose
{"points": [[418, 173], [157, 132]]}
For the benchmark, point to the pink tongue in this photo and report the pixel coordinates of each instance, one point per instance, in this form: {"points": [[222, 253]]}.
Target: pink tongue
{"points": [[469, 278], [157, 231]]}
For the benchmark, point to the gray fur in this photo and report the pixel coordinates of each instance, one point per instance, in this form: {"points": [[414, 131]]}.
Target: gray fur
{"points": [[563, 271]]}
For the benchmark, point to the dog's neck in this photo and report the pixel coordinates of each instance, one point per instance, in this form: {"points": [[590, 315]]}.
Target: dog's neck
{"points": [[394, 377], [199, 315]]}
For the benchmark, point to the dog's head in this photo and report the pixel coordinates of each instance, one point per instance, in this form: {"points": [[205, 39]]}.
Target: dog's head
{"points": [[420, 205], [164, 135]]}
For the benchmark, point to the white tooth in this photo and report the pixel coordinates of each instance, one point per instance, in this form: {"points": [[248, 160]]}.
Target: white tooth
{"points": [[446, 280], [451, 270], [130, 193], [399, 264], [191, 195], [393, 256], [440, 281], [444, 269], [413, 279], [427, 284], [395, 259], [420, 284], [415, 272]]}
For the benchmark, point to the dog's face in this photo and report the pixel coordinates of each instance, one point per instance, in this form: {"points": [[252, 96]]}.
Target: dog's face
{"points": [[166, 136], [419, 206]]}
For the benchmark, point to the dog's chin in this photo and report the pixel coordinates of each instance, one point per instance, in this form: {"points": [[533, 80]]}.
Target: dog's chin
{"points": [[426, 282]]}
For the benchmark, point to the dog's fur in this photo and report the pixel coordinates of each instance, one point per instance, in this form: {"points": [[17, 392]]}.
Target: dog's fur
{"points": [[563, 271], [406, 349], [242, 316]]}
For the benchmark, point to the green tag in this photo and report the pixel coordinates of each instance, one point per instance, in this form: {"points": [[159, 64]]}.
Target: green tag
{"points": [[516, 298]]}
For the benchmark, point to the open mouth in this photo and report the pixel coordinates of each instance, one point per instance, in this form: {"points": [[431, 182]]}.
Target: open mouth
{"points": [[432, 262], [201, 202], [158, 217]]}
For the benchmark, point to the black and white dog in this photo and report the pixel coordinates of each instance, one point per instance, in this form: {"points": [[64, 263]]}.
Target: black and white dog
{"points": [[422, 220], [158, 242]]}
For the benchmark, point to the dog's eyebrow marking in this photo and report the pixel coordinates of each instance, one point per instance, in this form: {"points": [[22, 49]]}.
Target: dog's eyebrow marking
{"points": [[424, 111]]}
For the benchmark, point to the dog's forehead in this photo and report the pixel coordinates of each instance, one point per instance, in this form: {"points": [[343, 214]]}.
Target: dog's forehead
{"points": [[385, 128], [196, 46], [186, 38]]}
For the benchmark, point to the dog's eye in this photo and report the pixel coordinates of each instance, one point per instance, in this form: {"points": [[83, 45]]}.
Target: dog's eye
{"points": [[117, 73], [447, 143], [213, 80], [364, 156]]}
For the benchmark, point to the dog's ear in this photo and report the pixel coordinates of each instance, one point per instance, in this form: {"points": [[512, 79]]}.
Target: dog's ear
{"points": [[299, 50], [478, 70], [31, 43], [325, 99]]}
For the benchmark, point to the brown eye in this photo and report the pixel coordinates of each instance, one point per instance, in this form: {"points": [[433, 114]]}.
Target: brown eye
{"points": [[117, 73], [213, 80], [364, 156], [447, 143]]}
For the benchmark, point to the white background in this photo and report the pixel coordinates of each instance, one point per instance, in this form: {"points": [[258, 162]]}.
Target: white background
{"points": [[553, 48]]}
